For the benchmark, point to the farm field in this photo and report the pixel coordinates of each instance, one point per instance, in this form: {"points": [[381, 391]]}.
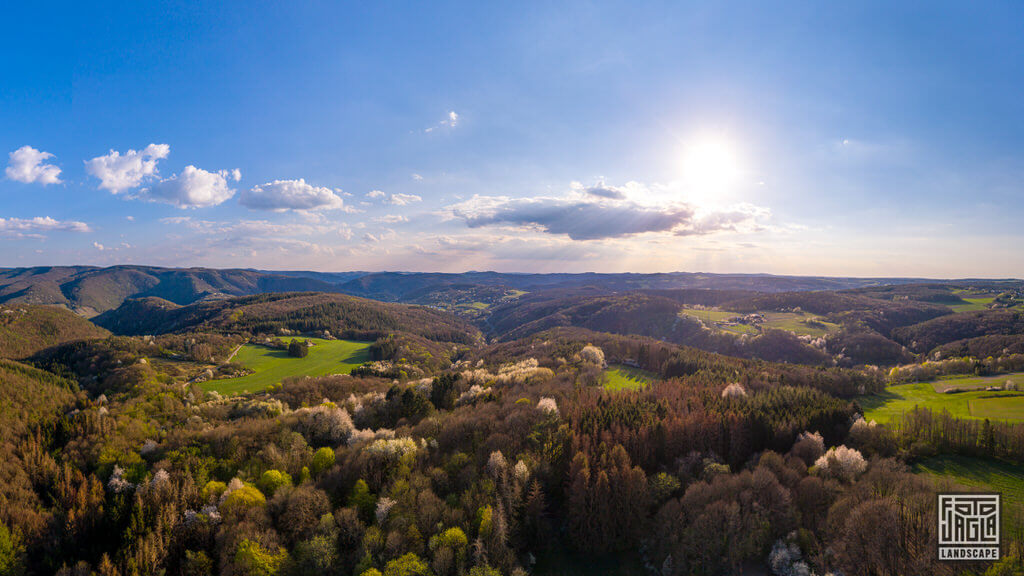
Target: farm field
{"points": [[973, 304], [979, 404], [619, 377], [272, 366], [974, 382], [799, 324], [979, 473]]}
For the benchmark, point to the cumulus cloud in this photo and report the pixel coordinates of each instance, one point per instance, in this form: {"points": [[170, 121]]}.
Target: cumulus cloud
{"points": [[34, 227], [601, 190], [28, 165], [119, 172], [738, 218], [391, 218], [193, 188], [397, 199], [603, 211], [403, 199], [282, 195]]}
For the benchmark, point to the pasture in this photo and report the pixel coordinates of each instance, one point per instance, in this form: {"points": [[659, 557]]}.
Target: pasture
{"points": [[976, 382], [272, 366], [978, 473], [619, 377], [979, 404], [801, 324], [972, 304]]}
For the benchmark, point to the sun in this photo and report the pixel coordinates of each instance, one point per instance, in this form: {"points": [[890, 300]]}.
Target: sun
{"points": [[711, 169]]}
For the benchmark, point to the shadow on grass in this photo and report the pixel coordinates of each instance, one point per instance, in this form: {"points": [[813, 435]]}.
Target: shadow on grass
{"points": [[878, 400]]}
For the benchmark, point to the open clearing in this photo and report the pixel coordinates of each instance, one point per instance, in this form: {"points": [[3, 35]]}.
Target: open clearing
{"points": [[620, 377], [272, 366], [975, 382], [979, 404], [973, 304], [980, 473], [801, 324]]}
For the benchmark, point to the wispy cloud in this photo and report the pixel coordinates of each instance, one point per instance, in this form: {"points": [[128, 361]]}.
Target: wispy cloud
{"points": [[450, 121], [29, 165]]}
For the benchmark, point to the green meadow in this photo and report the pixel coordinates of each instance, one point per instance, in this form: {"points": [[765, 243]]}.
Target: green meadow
{"points": [[272, 366], [979, 403], [799, 324], [619, 377], [979, 473], [972, 304]]}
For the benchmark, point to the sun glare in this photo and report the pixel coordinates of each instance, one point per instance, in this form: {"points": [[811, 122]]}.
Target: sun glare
{"points": [[711, 169]]}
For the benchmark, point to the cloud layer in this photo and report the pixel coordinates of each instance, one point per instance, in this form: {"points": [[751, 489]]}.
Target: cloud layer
{"points": [[28, 165], [281, 195]]}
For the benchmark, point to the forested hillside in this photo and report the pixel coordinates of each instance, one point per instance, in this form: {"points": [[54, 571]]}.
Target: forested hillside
{"points": [[25, 330], [343, 316], [440, 453]]}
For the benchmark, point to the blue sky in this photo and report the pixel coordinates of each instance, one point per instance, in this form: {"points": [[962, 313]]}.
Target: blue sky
{"points": [[808, 138]]}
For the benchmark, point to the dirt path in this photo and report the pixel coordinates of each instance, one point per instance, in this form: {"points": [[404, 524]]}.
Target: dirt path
{"points": [[237, 348]]}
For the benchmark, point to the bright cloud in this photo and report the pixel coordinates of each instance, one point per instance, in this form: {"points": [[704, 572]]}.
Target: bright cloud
{"points": [[34, 227], [28, 165], [281, 195], [193, 188], [403, 199], [391, 218], [119, 172]]}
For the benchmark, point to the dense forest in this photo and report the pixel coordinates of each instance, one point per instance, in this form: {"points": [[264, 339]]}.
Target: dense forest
{"points": [[449, 454]]}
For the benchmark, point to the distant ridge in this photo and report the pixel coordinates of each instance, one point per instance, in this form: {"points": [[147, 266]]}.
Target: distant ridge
{"points": [[91, 290]]}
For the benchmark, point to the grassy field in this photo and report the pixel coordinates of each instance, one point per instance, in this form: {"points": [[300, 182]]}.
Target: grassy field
{"points": [[799, 324], [272, 366], [979, 404], [973, 304], [979, 473], [975, 382], [619, 377]]}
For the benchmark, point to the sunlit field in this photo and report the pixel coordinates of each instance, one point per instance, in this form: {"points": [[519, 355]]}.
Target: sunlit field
{"points": [[981, 474], [271, 365], [799, 324], [974, 402], [619, 377]]}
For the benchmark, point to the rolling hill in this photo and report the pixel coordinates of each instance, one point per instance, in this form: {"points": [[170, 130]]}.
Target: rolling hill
{"points": [[90, 291], [25, 330], [342, 315]]}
